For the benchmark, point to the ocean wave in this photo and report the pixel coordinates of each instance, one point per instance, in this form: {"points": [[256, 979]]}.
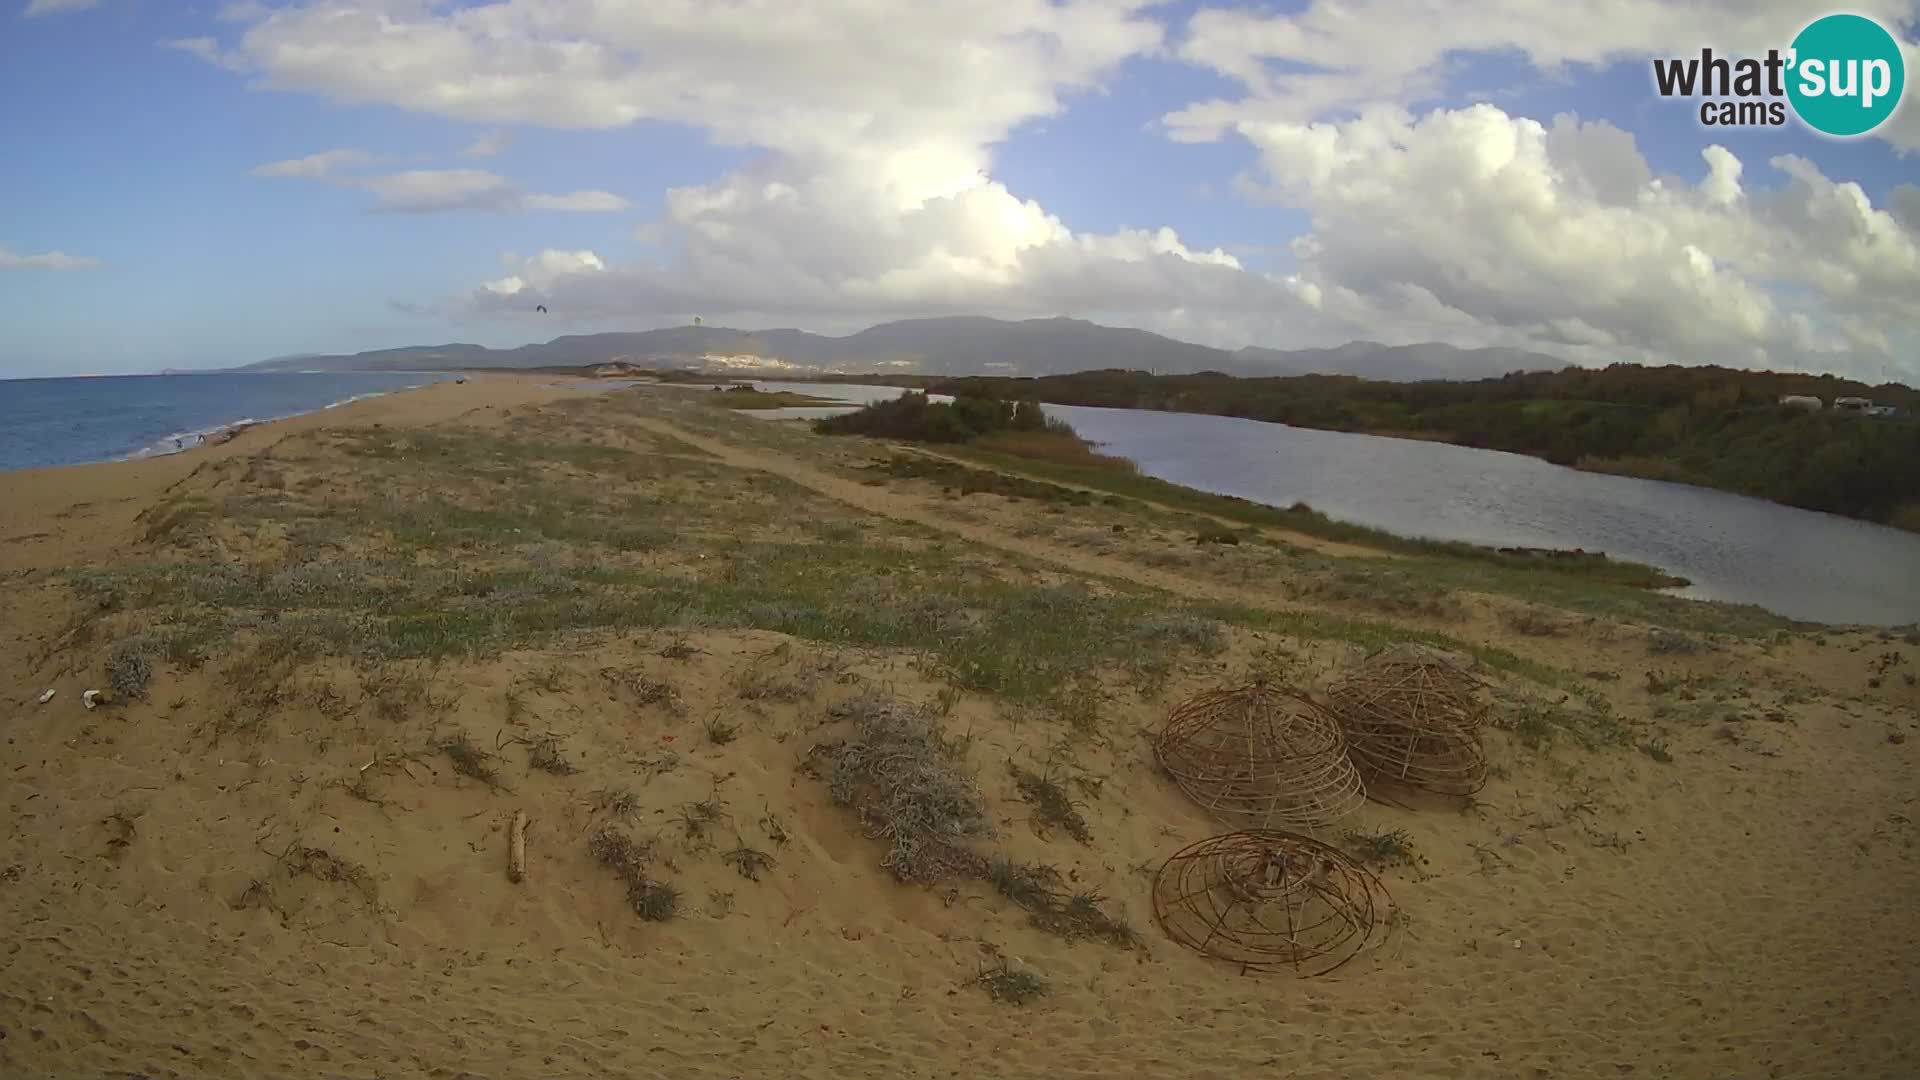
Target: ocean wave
{"points": [[181, 441], [361, 397]]}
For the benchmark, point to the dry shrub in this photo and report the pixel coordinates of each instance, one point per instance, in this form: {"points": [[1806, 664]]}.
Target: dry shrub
{"points": [[907, 780], [652, 900]]}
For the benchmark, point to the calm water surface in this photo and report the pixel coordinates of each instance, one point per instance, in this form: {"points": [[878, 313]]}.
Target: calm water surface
{"points": [[1799, 563]]}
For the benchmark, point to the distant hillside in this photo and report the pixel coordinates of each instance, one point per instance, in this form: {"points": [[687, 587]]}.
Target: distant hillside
{"points": [[958, 346]]}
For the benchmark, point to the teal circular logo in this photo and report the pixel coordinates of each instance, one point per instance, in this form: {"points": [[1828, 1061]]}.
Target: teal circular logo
{"points": [[1845, 75]]}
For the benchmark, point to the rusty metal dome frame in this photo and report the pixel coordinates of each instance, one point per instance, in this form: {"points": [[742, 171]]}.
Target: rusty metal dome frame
{"points": [[1412, 721], [1260, 756], [1270, 901]]}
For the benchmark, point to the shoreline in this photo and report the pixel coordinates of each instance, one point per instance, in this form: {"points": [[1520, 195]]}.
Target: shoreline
{"points": [[224, 431], [60, 514]]}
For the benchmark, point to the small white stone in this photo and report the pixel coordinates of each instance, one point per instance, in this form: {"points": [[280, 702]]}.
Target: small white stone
{"points": [[46, 697], [90, 698]]}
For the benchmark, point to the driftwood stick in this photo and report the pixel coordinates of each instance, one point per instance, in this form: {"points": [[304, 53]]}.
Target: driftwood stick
{"points": [[517, 847]]}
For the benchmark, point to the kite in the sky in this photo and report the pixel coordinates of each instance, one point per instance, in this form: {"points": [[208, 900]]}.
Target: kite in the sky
{"points": [[541, 308]]}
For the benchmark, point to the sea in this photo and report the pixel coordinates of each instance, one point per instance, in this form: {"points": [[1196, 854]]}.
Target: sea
{"points": [[118, 417]]}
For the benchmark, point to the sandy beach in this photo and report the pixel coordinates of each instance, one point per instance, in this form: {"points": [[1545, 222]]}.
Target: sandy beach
{"points": [[351, 646]]}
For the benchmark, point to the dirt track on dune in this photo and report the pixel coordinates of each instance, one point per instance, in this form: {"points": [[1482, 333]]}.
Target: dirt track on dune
{"points": [[907, 508]]}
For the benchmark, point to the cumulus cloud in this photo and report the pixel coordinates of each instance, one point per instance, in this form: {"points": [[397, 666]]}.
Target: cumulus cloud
{"points": [[874, 193], [429, 191], [55, 7], [1336, 57], [876, 196], [49, 260], [1501, 229]]}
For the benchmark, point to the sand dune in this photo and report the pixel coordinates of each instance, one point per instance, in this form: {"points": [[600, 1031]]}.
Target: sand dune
{"points": [[270, 866]]}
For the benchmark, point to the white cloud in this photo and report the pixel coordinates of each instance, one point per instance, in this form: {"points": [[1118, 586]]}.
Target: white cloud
{"points": [[50, 260], [580, 202], [426, 191], [489, 144], [881, 120], [315, 166], [874, 196], [55, 7], [1340, 56], [1473, 225]]}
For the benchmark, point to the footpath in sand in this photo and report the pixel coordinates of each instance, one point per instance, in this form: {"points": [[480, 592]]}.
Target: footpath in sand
{"points": [[371, 638]]}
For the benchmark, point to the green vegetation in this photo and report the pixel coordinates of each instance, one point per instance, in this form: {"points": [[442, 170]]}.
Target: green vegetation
{"points": [[1299, 518], [1052, 806], [1037, 889], [746, 397], [913, 416], [1704, 425], [1538, 723]]}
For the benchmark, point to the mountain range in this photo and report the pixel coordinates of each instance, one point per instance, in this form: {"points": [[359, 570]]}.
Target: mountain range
{"points": [[966, 345]]}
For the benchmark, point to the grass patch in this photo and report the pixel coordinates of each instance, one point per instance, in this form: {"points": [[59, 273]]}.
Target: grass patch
{"points": [[1657, 750], [719, 732], [1075, 916], [544, 754], [471, 761], [1392, 587], [1056, 446], [621, 802], [1664, 642], [695, 817], [1538, 723], [966, 480], [746, 397], [1052, 806], [1531, 623], [652, 900]]}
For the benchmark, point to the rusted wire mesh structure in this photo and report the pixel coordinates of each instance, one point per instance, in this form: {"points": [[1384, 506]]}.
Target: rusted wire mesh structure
{"points": [[1270, 901], [1413, 719], [1260, 757]]}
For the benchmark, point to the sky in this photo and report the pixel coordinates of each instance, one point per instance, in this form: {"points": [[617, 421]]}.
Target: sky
{"points": [[194, 185]]}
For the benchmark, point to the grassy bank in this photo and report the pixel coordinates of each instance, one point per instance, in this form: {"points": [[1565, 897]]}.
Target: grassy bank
{"points": [[1703, 425], [746, 397], [379, 547], [1006, 437]]}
